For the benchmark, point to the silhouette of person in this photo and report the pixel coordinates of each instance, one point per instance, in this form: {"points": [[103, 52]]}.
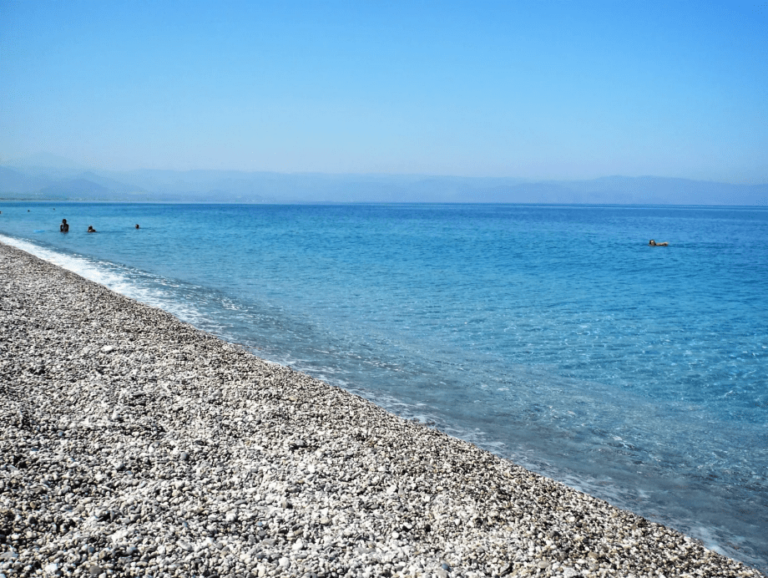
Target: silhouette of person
{"points": [[91, 229], [64, 227], [137, 225]]}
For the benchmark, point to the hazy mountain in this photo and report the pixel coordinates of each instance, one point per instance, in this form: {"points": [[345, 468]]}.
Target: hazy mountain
{"points": [[654, 190], [75, 189], [67, 180], [109, 184], [15, 182]]}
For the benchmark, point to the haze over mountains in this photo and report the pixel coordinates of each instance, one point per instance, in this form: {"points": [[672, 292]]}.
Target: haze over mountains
{"points": [[47, 177]]}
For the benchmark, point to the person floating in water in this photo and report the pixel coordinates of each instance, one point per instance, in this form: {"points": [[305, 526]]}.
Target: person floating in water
{"points": [[64, 227], [91, 229], [653, 243], [137, 225]]}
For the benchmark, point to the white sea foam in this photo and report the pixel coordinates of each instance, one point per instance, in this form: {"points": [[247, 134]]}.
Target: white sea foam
{"points": [[117, 278]]}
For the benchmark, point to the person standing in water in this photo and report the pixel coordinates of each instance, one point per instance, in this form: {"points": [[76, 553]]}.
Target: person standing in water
{"points": [[64, 227]]}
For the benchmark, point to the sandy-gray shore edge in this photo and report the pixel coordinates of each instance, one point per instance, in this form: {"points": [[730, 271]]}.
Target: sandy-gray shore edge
{"points": [[133, 444]]}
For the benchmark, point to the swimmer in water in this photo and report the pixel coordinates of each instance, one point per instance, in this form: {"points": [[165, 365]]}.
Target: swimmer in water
{"points": [[137, 225], [653, 243], [64, 227], [91, 229]]}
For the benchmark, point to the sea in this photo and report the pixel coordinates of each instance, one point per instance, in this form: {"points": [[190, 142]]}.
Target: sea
{"points": [[554, 336]]}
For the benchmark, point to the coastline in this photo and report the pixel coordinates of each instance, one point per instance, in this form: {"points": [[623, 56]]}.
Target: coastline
{"points": [[133, 443]]}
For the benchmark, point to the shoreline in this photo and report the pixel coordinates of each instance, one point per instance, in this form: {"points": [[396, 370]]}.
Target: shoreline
{"points": [[133, 443]]}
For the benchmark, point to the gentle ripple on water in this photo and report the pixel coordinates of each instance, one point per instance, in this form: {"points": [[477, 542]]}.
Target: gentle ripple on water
{"points": [[552, 335]]}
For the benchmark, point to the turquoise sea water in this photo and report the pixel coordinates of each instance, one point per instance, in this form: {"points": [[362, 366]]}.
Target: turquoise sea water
{"points": [[552, 335]]}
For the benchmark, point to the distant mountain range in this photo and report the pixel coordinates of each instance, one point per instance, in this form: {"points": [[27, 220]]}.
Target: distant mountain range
{"points": [[47, 177]]}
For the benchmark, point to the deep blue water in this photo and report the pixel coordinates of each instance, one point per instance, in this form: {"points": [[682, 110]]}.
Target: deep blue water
{"points": [[552, 335]]}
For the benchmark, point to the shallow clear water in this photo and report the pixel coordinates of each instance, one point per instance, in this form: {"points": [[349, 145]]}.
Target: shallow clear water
{"points": [[551, 335]]}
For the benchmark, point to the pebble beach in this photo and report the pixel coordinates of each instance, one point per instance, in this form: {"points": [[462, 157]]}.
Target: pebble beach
{"points": [[132, 444]]}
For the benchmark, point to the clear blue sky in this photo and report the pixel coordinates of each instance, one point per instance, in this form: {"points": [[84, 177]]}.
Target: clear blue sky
{"points": [[531, 89]]}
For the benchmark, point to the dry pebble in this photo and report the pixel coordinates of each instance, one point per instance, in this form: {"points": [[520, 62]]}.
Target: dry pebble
{"points": [[132, 444]]}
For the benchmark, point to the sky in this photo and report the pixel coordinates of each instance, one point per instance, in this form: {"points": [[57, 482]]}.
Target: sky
{"points": [[540, 90]]}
